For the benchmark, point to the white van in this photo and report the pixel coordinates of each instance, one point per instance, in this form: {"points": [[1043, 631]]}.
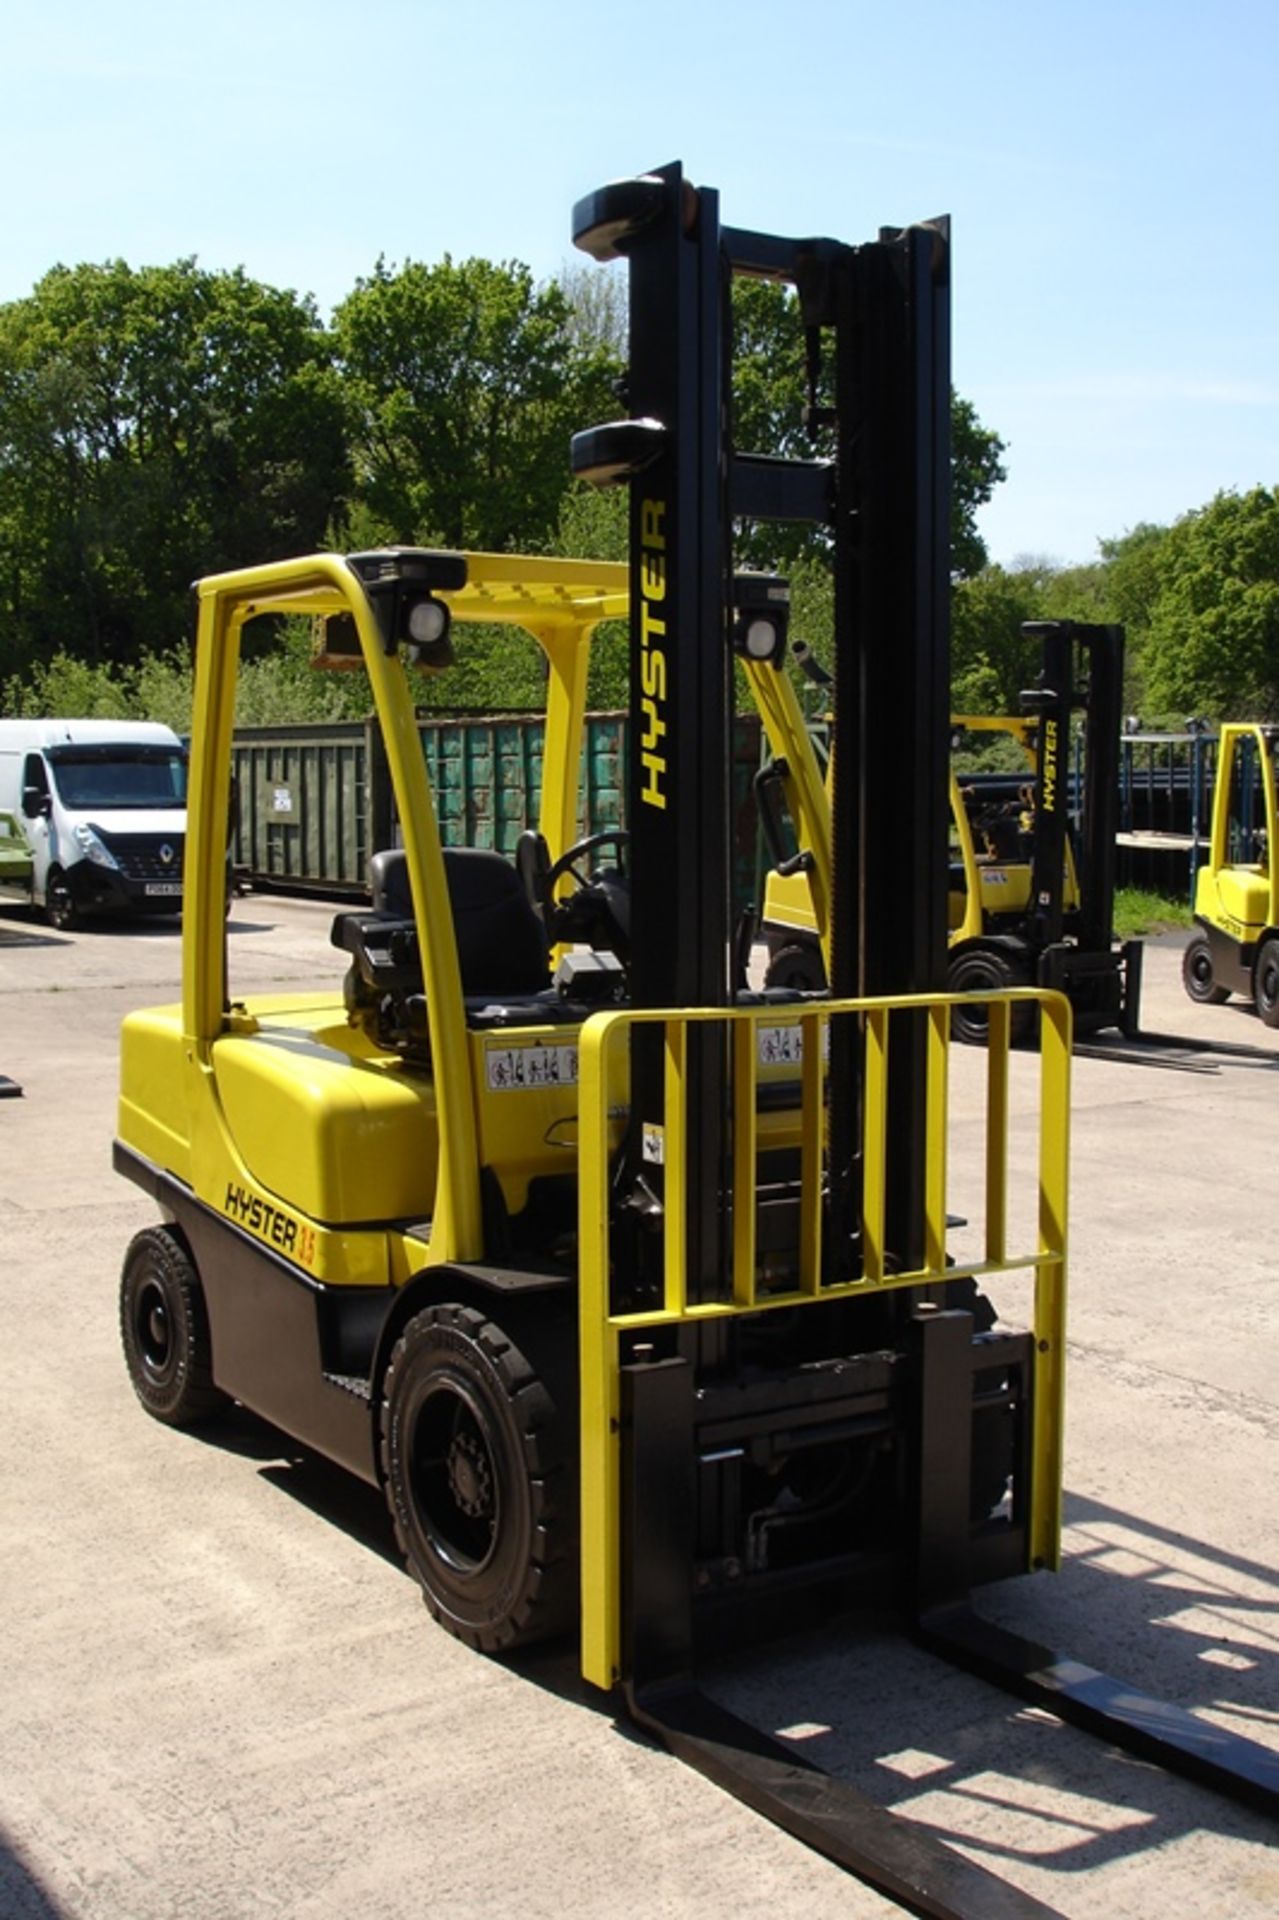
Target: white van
{"points": [[92, 816]]}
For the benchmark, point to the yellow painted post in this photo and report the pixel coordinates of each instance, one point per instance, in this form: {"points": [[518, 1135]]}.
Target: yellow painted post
{"points": [[675, 1161], [745, 1161], [998, 1038], [599, 1393], [1050, 1282], [938, 1052], [812, 1029], [875, 1143]]}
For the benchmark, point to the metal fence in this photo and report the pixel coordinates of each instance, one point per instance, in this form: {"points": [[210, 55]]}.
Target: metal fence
{"points": [[314, 802]]}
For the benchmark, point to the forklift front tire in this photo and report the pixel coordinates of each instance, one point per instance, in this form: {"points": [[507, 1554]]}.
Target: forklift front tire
{"points": [[1197, 976], [798, 966], [481, 1491], [987, 970], [164, 1330], [1265, 982]]}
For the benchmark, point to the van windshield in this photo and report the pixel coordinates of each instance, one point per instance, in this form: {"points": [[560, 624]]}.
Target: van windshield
{"points": [[119, 776]]}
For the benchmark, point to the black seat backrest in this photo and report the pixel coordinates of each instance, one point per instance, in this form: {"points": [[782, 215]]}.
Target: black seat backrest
{"points": [[501, 947]]}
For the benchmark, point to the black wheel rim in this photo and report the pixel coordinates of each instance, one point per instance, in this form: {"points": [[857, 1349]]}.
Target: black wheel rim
{"points": [[454, 1475], [1201, 969], [153, 1329]]}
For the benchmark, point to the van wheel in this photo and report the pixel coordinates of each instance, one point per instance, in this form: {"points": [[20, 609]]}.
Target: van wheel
{"points": [[60, 910], [1265, 982], [164, 1330], [480, 1480], [1197, 975]]}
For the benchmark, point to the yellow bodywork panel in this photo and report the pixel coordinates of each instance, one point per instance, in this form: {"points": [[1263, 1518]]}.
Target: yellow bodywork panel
{"points": [[1242, 894], [346, 1133], [527, 1093], [788, 902], [153, 1115]]}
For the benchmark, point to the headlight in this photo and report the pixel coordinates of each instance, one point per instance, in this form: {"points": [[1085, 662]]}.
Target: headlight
{"points": [[92, 848]]}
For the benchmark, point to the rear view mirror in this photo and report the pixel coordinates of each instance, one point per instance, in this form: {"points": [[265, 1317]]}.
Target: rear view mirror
{"points": [[35, 801]]}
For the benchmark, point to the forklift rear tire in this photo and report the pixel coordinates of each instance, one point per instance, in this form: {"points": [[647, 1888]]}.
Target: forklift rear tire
{"points": [[480, 1484], [798, 966], [164, 1330], [1265, 982], [1197, 975], [987, 970]]}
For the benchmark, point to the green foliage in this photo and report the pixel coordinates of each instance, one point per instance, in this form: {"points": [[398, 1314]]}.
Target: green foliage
{"points": [[1138, 911], [990, 661], [770, 390], [593, 526], [1214, 624], [64, 687], [976, 470], [466, 382], [155, 425]]}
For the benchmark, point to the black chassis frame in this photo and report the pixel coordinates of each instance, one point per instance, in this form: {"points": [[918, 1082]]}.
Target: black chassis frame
{"points": [[306, 1356]]}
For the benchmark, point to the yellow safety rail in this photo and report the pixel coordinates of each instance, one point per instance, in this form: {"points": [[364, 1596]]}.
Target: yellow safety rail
{"points": [[600, 1328]]}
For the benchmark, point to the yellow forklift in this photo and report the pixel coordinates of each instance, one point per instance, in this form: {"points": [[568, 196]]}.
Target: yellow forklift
{"points": [[1236, 946], [633, 1290], [1022, 907]]}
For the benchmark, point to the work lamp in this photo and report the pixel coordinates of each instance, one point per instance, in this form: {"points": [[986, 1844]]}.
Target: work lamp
{"points": [[761, 617]]}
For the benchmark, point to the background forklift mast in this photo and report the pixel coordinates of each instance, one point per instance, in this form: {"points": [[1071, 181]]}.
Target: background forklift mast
{"points": [[1056, 928]]}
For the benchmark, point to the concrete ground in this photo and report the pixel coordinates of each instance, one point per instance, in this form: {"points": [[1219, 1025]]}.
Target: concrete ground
{"points": [[223, 1698]]}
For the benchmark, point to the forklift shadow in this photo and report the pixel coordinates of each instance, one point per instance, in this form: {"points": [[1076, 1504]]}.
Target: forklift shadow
{"points": [[1010, 1784], [22, 1897], [1178, 1052], [1174, 1617], [319, 1485]]}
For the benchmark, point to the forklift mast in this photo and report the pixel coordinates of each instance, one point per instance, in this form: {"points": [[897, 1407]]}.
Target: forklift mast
{"points": [[1058, 693], [881, 311]]}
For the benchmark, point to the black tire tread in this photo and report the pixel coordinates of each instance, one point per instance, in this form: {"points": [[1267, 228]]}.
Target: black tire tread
{"points": [[1210, 995], [192, 1397], [797, 965], [982, 968], [548, 1600], [1266, 969]]}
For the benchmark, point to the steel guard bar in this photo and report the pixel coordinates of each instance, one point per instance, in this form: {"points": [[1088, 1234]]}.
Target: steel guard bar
{"points": [[601, 1329]]}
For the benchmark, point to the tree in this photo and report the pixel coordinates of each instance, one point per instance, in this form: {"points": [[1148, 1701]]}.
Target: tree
{"points": [[467, 382], [155, 425], [990, 661], [770, 389], [1213, 644]]}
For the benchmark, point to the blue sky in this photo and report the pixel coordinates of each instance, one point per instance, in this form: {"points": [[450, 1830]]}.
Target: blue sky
{"points": [[1112, 173]]}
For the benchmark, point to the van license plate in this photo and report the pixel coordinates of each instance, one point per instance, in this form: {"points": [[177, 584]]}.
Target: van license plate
{"points": [[164, 889]]}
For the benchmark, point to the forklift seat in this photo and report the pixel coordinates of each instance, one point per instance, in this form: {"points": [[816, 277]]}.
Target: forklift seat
{"points": [[501, 948]]}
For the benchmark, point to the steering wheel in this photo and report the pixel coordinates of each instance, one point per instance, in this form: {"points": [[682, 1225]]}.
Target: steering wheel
{"points": [[567, 863], [599, 912]]}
